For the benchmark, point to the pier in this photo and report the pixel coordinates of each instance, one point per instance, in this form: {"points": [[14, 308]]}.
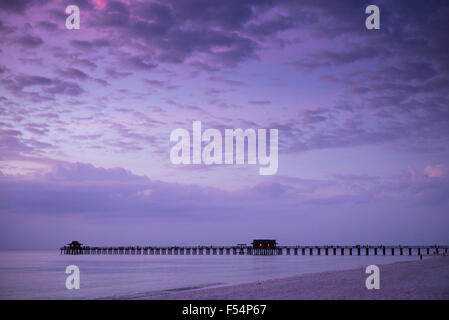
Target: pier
{"points": [[365, 250]]}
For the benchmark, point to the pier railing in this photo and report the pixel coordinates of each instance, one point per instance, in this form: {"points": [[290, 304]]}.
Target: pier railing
{"points": [[365, 250]]}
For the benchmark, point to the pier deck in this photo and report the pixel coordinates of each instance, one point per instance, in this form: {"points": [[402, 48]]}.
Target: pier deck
{"points": [[249, 250]]}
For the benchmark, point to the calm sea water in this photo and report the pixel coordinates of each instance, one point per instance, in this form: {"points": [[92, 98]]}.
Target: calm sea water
{"points": [[41, 274]]}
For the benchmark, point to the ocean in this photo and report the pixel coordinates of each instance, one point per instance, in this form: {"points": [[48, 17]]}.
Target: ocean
{"points": [[41, 274]]}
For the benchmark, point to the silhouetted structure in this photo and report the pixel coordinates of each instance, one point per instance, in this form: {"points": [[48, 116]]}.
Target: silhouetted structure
{"points": [[259, 247], [75, 248], [264, 244]]}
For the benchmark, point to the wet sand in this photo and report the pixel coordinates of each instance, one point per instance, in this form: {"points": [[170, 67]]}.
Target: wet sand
{"points": [[426, 279]]}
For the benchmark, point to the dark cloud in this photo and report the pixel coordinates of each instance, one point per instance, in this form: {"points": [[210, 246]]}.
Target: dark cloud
{"points": [[90, 45], [27, 81], [155, 83], [227, 81], [6, 29], [82, 4], [15, 146], [84, 63], [29, 41], [113, 73], [46, 88], [20, 6], [40, 129], [329, 58], [137, 63], [273, 26], [174, 32], [400, 88], [260, 102], [76, 74], [47, 26]]}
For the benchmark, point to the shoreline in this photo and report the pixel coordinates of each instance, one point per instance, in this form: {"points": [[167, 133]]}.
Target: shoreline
{"points": [[426, 279]]}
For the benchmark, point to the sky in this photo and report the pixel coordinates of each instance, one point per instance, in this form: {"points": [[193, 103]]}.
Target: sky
{"points": [[86, 117]]}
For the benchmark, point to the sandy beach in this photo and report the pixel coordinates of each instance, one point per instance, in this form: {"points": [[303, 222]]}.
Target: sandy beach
{"points": [[426, 279]]}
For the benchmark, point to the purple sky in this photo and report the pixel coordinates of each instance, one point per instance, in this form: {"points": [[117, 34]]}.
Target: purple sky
{"points": [[86, 116]]}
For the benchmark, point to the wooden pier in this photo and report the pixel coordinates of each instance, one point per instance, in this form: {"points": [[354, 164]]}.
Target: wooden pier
{"points": [[250, 250]]}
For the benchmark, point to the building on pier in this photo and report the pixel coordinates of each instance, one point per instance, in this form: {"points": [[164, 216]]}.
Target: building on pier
{"points": [[264, 244], [75, 247], [75, 244]]}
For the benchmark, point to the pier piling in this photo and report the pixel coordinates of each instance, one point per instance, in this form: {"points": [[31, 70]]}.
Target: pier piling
{"points": [[249, 250]]}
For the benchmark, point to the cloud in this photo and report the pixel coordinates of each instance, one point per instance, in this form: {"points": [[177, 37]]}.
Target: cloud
{"points": [[20, 6], [260, 102], [90, 45], [11, 145], [29, 41], [79, 198], [156, 83], [137, 63], [47, 26], [437, 171], [76, 74], [76, 188], [329, 58], [113, 73], [173, 32], [61, 87], [347, 87], [39, 88], [272, 26], [227, 81], [23, 81]]}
